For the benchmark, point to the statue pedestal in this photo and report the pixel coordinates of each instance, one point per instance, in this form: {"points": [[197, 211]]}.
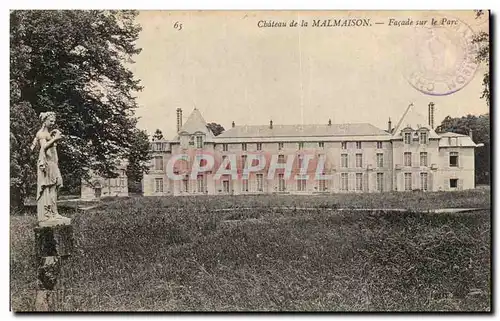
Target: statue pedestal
{"points": [[54, 240], [53, 244]]}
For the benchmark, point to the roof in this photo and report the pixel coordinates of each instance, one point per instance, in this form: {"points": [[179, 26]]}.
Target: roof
{"points": [[450, 134], [196, 124], [264, 131], [432, 132], [450, 139]]}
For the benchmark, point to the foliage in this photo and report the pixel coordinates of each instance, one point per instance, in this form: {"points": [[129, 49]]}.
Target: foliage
{"points": [[480, 126], [22, 159], [74, 63], [216, 129], [158, 135], [149, 254], [138, 158], [482, 39]]}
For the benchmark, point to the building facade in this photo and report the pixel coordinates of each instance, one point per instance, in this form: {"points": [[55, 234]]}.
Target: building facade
{"points": [[97, 186], [351, 158]]}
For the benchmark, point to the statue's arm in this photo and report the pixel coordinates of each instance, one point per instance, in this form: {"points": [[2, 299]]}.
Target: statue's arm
{"points": [[46, 144]]}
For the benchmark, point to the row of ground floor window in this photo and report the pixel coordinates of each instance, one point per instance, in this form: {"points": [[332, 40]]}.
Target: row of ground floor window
{"points": [[258, 183]]}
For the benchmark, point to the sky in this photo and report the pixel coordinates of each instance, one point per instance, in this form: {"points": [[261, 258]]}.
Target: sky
{"points": [[231, 70]]}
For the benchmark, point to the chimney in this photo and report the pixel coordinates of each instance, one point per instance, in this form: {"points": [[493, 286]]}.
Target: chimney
{"points": [[470, 134], [271, 124], [329, 122], [389, 125], [179, 119], [431, 115], [232, 124]]}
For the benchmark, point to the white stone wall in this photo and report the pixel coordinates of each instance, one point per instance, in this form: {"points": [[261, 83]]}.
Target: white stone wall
{"points": [[438, 171]]}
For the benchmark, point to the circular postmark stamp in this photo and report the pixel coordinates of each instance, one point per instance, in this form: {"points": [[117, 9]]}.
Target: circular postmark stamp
{"points": [[441, 56]]}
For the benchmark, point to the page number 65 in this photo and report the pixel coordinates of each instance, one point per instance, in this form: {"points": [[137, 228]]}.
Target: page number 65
{"points": [[178, 25]]}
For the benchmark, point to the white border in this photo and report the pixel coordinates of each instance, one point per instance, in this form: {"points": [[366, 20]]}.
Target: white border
{"points": [[177, 5]]}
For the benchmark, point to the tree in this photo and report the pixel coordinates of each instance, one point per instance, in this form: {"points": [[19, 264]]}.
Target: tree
{"points": [[22, 159], [216, 129], [136, 166], [480, 127], [74, 63], [482, 39], [158, 135]]}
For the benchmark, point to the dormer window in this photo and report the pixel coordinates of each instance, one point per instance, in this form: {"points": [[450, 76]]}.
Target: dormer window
{"points": [[424, 137], [199, 141], [407, 138]]}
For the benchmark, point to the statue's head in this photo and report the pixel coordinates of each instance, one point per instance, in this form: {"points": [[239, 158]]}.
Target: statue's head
{"points": [[48, 119]]}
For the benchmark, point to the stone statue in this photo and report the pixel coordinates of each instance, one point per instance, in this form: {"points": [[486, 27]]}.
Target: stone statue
{"points": [[49, 177]]}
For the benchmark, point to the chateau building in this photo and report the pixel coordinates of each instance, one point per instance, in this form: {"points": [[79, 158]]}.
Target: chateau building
{"points": [[97, 186], [358, 158]]}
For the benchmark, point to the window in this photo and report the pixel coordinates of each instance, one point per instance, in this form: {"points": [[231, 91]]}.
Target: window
{"points": [[280, 146], [260, 159], [423, 159], [453, 183], [301, 185], [407, 159], [379, 145], [281, 158], [301, 161], [228, 164], [322, 185], [301, 145], [200, 183], [159, 147], [423, 181], [343, 145], [407, 138], [244, 185], [344, 182], [380, 160], [199, 141], [199, 160], [225, 186], [185, 184], [243, 161], [380, 182], [423, 137], [359, 181], [453, 159], [281, 182], [358, 145], [359, 160], [259, 146], [260, 182], [159, 185], [407, 181], [244, 146], [321, 145], [343, 160], [122, 182], [158, 163], [224, 147]]}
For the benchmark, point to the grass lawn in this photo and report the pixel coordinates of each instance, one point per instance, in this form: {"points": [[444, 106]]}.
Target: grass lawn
{"points": [[180, 254]]}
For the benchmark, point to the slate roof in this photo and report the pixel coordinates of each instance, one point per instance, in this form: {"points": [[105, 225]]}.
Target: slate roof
{"points": [[251, 131], [196, 123], [450, 139]]}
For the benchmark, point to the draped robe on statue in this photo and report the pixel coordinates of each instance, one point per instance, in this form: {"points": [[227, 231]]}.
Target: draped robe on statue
{"points": [[49, 179]]}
